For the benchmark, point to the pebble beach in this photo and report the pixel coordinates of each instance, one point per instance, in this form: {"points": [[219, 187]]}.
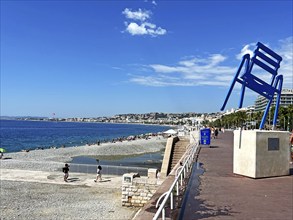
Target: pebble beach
{"points": [[32, 185]]}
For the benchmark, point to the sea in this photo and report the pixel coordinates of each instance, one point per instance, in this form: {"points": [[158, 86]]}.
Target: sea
{"points": [[18, 135]]}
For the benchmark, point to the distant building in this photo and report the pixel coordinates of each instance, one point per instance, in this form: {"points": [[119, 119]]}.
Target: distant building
{"points": [[286, 100]]}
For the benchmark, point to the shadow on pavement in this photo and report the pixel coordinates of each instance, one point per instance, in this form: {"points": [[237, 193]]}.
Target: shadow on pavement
{"points": [[73, 179]]}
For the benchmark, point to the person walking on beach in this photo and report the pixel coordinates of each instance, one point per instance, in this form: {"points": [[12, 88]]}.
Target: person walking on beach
{"points": [[99, 174], [2, 150], [66, 172]]}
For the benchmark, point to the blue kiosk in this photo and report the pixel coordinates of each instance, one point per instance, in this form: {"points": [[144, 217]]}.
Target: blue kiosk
{"points": [[205, 136]]}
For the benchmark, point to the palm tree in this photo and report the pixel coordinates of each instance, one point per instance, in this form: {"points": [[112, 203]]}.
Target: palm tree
{"points": [[241, 118]]}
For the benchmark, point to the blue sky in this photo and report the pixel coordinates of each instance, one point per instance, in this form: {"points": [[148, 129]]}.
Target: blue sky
{"points": [[100, 58]]}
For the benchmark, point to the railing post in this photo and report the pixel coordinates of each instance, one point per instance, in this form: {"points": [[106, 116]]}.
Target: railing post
{"points": [[171, 200], [177, 188], [163, 214], [179, 168], [186, 160], [162, 205]]}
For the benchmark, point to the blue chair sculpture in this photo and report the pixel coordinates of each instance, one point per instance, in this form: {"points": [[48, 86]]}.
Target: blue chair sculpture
{"points": [[268, 61]]}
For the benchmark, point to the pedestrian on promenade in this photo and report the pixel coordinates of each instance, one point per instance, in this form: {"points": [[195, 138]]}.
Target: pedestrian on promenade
{"points": [[223, 130], [213, 132], [99, 174], [66, 172], [216, 132]]}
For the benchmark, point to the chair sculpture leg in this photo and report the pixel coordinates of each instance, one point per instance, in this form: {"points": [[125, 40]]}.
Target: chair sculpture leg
{"points": [[263, 120], [229, 93], [245, 58], [242, 96], [279, 83], [276, 111]]}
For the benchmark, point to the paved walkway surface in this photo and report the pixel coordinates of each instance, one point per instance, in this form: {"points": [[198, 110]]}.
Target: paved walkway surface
{"points": [[224, 195]]}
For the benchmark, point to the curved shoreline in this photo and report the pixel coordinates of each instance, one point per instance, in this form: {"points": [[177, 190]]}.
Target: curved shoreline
{"points": [[53, 157]]}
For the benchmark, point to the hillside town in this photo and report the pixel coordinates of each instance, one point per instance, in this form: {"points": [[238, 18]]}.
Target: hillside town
{"points": [[146, 118], [249, 115]]}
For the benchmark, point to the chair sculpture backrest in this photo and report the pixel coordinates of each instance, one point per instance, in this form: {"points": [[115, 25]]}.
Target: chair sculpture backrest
{"points": [[268, 61]]}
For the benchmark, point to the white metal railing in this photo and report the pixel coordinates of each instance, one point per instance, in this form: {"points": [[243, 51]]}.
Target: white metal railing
{"points": [[180, 173]]}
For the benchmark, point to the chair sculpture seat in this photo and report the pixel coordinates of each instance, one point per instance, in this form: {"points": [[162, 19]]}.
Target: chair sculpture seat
{"points": [[264, 60]]}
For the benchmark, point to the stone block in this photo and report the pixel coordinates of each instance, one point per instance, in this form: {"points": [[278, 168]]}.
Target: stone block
{"points": [[150, 194], [152, 173], [259, 153], [127, 178], [125, 193]]}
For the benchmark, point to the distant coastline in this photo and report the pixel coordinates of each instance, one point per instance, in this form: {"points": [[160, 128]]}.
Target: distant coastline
{"points": [[106, 122], [153, 118]]}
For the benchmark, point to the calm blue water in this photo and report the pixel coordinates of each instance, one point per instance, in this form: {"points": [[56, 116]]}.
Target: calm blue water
{"points": [[19, 135]]}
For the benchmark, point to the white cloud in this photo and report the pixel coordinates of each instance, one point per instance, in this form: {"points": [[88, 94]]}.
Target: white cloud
{"points": [[196, 68], [159, 81], [144, 29], [210, 70], [152, 2], [286, 52], [140, 24], [246, 50], [135, 29], [189, 72], [140, 15]]}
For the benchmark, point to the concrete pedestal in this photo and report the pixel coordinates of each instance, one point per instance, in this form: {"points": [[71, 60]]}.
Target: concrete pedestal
{"points": [[259, 153]]}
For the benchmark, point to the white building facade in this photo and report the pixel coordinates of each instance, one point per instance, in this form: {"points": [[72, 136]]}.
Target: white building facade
{"points": [[286, 100]]}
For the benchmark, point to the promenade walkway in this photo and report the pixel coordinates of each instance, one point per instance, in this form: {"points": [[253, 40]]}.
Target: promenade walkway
{"points": [[224, 195]]}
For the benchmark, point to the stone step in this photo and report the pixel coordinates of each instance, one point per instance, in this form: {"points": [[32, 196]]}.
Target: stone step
{"points": [[178, 151]]}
